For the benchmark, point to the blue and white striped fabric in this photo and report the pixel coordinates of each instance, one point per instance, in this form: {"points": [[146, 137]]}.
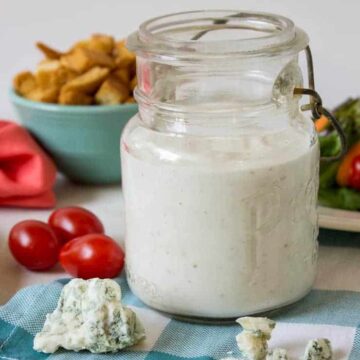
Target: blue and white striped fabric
{"points": [[334, 314]]}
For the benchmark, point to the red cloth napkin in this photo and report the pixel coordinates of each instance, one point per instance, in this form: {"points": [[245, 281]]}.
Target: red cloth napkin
{"points": [[27, 174]]}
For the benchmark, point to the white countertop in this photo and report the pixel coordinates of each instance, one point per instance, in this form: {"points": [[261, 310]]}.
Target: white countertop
{"points": [[106, 202], [339, 267]]}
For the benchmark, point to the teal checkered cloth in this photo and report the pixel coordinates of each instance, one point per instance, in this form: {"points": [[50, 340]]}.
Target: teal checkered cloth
{"points": [[323, 313]]}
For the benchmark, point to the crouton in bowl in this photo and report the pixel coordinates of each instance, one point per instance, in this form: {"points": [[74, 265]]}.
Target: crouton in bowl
{"points": [[76, 104]]}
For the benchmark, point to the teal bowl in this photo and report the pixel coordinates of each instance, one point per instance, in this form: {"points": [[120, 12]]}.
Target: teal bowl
{"points": [[84, 141]]}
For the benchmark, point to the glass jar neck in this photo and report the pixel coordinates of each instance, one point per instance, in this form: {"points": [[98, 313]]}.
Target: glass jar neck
{"points": [[216, 63], [217, 120], [216, 34]]}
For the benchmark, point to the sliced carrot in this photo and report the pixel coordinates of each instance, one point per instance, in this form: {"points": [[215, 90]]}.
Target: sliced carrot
{"points": [[343, 172], [322, 123]]}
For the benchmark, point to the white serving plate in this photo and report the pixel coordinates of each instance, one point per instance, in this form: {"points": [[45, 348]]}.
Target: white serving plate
{"points": [[337, 219]]}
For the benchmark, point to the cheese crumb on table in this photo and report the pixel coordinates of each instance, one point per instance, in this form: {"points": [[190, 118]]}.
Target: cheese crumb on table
{"points": [[277, 354], [90, 316], [318, 349], [252, 341], [252, 345], [262, 324]]}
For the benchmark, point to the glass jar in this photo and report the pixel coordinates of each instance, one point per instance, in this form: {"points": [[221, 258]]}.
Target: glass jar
{"points": [[220, 167]]}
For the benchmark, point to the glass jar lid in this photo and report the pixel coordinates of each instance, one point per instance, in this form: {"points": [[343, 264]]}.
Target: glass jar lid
{"points": [[217, 34]]}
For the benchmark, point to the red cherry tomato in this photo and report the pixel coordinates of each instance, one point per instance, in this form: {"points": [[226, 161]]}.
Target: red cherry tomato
{"points": [[34, 245], [93, 255], [354, 174], [71, 222]]}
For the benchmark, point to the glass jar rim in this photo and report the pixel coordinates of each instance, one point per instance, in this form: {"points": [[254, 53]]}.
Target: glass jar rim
{"points": [[182, 35]]}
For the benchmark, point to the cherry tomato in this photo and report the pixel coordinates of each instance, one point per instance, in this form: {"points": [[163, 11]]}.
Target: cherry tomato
{"points": [[354, 174], [346, 168], [71, 222], [93, 255], [34, 245]]}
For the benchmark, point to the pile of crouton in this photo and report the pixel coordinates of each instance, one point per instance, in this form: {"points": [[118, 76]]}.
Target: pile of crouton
{"points": [[95, 71]]}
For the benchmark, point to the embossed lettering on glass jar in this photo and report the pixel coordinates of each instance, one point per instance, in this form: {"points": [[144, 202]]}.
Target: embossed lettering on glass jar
{"points": [[219, 166]]}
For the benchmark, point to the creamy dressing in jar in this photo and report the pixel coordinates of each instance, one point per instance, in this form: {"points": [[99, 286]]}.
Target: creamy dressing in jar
{"points": [[226, 237], [220, 169]]}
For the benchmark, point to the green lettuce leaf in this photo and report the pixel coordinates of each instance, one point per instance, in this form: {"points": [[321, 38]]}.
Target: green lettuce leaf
{"points": [[342, 198], [330, 194]]}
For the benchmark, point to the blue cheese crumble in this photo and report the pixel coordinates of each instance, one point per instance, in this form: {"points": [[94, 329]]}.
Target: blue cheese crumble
{"points": [[318, 349], [277, 354], [252, 345], [262, 324], [90, 316], [252, 341]]}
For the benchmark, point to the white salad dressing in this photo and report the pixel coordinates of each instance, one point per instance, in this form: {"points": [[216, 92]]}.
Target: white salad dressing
{"points": [[220, 167], [231, 233]]}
